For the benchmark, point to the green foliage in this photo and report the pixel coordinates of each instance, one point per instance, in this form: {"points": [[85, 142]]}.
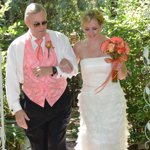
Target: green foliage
{"points": [[130, 24], [14, 136], [127, 19]]}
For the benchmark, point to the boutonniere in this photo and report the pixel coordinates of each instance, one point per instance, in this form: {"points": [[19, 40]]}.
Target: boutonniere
{"points": [[48, 46]]}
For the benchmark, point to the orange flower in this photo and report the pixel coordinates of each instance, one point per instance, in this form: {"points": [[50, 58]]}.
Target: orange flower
{"points": [[104, 46], [120, 50], [110, 47]]}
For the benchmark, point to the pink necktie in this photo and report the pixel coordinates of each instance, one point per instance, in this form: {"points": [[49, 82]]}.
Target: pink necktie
{"points": [[39, 52]]}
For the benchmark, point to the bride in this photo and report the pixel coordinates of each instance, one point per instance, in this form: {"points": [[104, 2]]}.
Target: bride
{"points": [[103, 118]]}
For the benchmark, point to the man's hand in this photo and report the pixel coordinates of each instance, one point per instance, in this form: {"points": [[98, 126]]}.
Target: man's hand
{"points": [[66, 66], [42, 71], [21, 118]]}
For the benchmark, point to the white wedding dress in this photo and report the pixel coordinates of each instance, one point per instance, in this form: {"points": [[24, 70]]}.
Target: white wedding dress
{"points": [[103, 119]]}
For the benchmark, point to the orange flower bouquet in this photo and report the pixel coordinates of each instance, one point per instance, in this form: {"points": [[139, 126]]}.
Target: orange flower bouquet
{"points": [[119, 50]]}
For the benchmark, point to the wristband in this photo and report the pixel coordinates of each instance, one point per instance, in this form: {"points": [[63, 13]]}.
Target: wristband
{"points": [[54, 71]]}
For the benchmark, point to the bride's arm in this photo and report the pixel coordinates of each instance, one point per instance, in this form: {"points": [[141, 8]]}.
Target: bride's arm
{"points": [[122, 71], [77, 51]]}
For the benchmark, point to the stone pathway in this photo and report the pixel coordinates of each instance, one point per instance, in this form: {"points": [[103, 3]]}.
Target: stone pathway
{"points": [[70, 144]]}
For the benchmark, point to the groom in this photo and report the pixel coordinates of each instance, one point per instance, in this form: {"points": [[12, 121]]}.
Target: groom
{"points": [[40, 61]]}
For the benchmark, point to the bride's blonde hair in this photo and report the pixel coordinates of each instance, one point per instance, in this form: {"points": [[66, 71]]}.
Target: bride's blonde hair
{"points": [[92, 14]]}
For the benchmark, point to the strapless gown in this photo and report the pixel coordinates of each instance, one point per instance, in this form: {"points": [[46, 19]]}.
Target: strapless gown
{"points": [[103, 118]]}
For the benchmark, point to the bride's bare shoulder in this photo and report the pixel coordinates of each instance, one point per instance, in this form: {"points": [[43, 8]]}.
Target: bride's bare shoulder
{"points": [[78, 46], [78, 49]]}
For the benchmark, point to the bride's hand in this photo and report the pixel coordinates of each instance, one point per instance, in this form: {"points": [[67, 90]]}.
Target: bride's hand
{"points": [[122, 71]]}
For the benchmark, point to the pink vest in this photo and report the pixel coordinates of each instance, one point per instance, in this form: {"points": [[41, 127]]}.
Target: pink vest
{"points": [[45, 88]]}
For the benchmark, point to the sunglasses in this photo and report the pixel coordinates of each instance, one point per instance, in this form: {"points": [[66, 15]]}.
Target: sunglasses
{"points": [[37, 24]]}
